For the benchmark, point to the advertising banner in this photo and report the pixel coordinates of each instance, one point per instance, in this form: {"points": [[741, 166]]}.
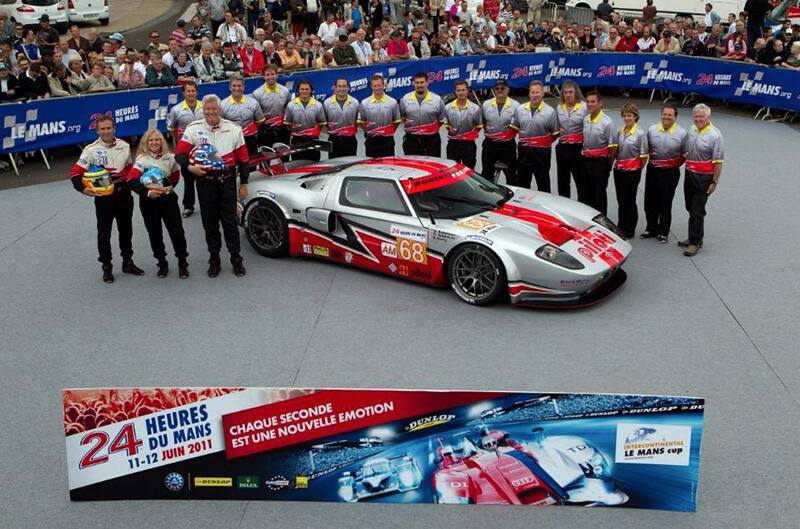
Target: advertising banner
{"points": [[57, 122], [383, 445]]}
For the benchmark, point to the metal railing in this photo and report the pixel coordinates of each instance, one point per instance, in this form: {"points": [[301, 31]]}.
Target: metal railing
{"points": [[551, 12]]}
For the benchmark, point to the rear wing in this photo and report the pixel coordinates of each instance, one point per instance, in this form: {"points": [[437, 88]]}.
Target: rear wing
{"points": [[280, 150]]}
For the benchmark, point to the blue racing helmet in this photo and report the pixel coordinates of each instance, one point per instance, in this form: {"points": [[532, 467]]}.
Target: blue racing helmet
{"points": [[154, 177], [205, 156]]}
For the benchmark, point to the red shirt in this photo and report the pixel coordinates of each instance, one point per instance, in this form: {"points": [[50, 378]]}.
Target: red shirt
{"points": [[626, 44], [491, 8], [397, 47], [252, 65]]}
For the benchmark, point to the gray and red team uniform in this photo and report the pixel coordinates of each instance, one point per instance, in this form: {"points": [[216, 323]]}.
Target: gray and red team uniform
{"points": [[248, 115], [379, 118], [218, 193], [305, 123], [273, 103], [163, 208], [537, 130], [667, 147], [632, 152], [116, 159], [570, 144], [342, 118], [421, 121], [599, 137], [498, 138], [178, 119], [704, 150], [463, 126]]}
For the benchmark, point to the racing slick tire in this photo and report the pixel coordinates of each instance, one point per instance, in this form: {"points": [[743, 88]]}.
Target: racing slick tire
{"points": [[267, 229], [476, 274]]}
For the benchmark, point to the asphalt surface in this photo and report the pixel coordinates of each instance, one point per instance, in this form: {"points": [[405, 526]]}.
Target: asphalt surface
{"points": [[722, 326]]}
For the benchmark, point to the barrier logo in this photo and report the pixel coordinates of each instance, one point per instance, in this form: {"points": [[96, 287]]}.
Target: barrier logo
{"points": [[756, 86], [174, 481], [31, 128], [660, 73]]}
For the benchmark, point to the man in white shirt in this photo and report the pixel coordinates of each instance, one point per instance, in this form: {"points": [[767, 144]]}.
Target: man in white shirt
{"points": [[327, 30], [362, 47], [169, 57], [231, 31]]}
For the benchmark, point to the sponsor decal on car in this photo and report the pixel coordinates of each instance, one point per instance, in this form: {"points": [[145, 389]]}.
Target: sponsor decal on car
{"points": [[481, 225], [321, 251], [653, 444], [306, 248], [481, 239], [393, 268], [389, 249], [301, 482], [524, 197], [429, 421], [411, 250], [443, 236], [269, 194], [213, 482], [404, 232], [403, 269]]}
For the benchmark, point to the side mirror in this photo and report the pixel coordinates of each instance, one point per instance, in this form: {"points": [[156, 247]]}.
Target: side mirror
{"points": [[321, 220]]}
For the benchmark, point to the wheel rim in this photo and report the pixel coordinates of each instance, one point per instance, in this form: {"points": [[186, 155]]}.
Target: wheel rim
{"points": [[266, 228], [474, 274]]}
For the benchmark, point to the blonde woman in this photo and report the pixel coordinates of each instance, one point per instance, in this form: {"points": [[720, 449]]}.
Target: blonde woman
{"points": [[154, 175]]}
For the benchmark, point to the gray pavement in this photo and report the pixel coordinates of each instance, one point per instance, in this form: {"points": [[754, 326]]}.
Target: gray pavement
{"points": [[721, 326]]}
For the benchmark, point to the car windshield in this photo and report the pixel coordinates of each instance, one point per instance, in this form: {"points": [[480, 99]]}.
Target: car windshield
{"points": [[40, 2], [460, 194], [378, 468]]}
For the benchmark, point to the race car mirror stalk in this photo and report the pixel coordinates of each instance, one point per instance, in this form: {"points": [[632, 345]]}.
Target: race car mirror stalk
{"points": [[428, 207]]}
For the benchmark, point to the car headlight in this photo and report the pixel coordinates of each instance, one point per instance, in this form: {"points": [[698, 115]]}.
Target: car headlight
{"points": [[609, 225], [557, 256]]}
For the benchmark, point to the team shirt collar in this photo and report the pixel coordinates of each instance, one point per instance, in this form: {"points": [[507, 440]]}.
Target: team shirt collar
{"points": [[506, 104], [241, 102], [595, 121], [311, 101], [704, 130], [271, 90], [669, 130], [198, 105], [630, 132]]}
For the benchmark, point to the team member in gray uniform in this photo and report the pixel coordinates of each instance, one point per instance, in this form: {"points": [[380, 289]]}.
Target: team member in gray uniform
{"points": [[273, 99], [630, 157], [498, 133], [571, 113], [341, 113], [667, 145], [245, 112], [423, 112], [178, 118], [598, 151], [463, 120], [305, 118], [538, 128], [704, 158], [379, 115]]}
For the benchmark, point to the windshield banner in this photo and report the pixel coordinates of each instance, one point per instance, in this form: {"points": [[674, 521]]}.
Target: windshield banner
{"points": [[56, 122], [376, 445]]}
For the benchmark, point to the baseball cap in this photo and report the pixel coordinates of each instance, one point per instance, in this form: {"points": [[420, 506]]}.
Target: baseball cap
{"points": [[537, 29], [180, 23], [502, 26], [117, 36], [668, 33], [501, 83], [44, 18]]}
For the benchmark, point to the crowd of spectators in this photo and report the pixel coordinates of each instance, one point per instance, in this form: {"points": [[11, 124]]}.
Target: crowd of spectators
{"points": [[232, 37]]}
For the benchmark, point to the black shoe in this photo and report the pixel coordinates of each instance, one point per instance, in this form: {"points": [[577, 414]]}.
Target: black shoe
{"points": [[188, 212], [183, 269], [108, 277], [163, 268], [687, 243], [214, 266], [129, 268], [647, 235], [662, 239], [238, 266]]}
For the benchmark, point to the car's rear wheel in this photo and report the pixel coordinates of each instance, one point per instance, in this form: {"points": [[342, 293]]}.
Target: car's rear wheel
{"points": [[476, 274], [267, 229]]}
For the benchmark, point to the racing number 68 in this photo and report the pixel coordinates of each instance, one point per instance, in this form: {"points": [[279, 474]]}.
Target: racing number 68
{"points": [[414, 251]]}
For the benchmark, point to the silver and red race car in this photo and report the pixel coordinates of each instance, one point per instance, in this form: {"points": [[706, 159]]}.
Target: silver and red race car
{"points": [[437, 222]]}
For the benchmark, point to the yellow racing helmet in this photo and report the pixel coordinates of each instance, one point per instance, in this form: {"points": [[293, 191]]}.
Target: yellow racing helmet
{"points": [[98, 180]]}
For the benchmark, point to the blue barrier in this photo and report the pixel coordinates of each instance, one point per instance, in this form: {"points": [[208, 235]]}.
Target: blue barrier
{"points": [[51, 123]]}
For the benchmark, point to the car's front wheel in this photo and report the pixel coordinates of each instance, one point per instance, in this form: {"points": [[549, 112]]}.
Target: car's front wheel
{"points": [[267, 229], [476, 274]]}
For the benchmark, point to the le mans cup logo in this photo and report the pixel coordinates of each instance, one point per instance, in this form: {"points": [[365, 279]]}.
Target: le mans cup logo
{"points": [[653, 444]]}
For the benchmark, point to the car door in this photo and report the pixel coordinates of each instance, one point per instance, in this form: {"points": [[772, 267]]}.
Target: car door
{"points": [[376, 229]]}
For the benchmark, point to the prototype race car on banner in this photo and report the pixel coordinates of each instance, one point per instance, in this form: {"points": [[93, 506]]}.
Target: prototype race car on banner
{"points": [[380, 476], [437, 222], [490, 467]]}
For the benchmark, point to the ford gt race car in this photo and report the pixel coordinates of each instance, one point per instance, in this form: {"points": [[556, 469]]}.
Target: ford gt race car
{"points": [[380, 476], [437, 222], [493, 468]]}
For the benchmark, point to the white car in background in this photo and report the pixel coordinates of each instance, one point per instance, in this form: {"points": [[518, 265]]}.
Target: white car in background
{"points": [[28, 12], [696, 8], [86, 10]]}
